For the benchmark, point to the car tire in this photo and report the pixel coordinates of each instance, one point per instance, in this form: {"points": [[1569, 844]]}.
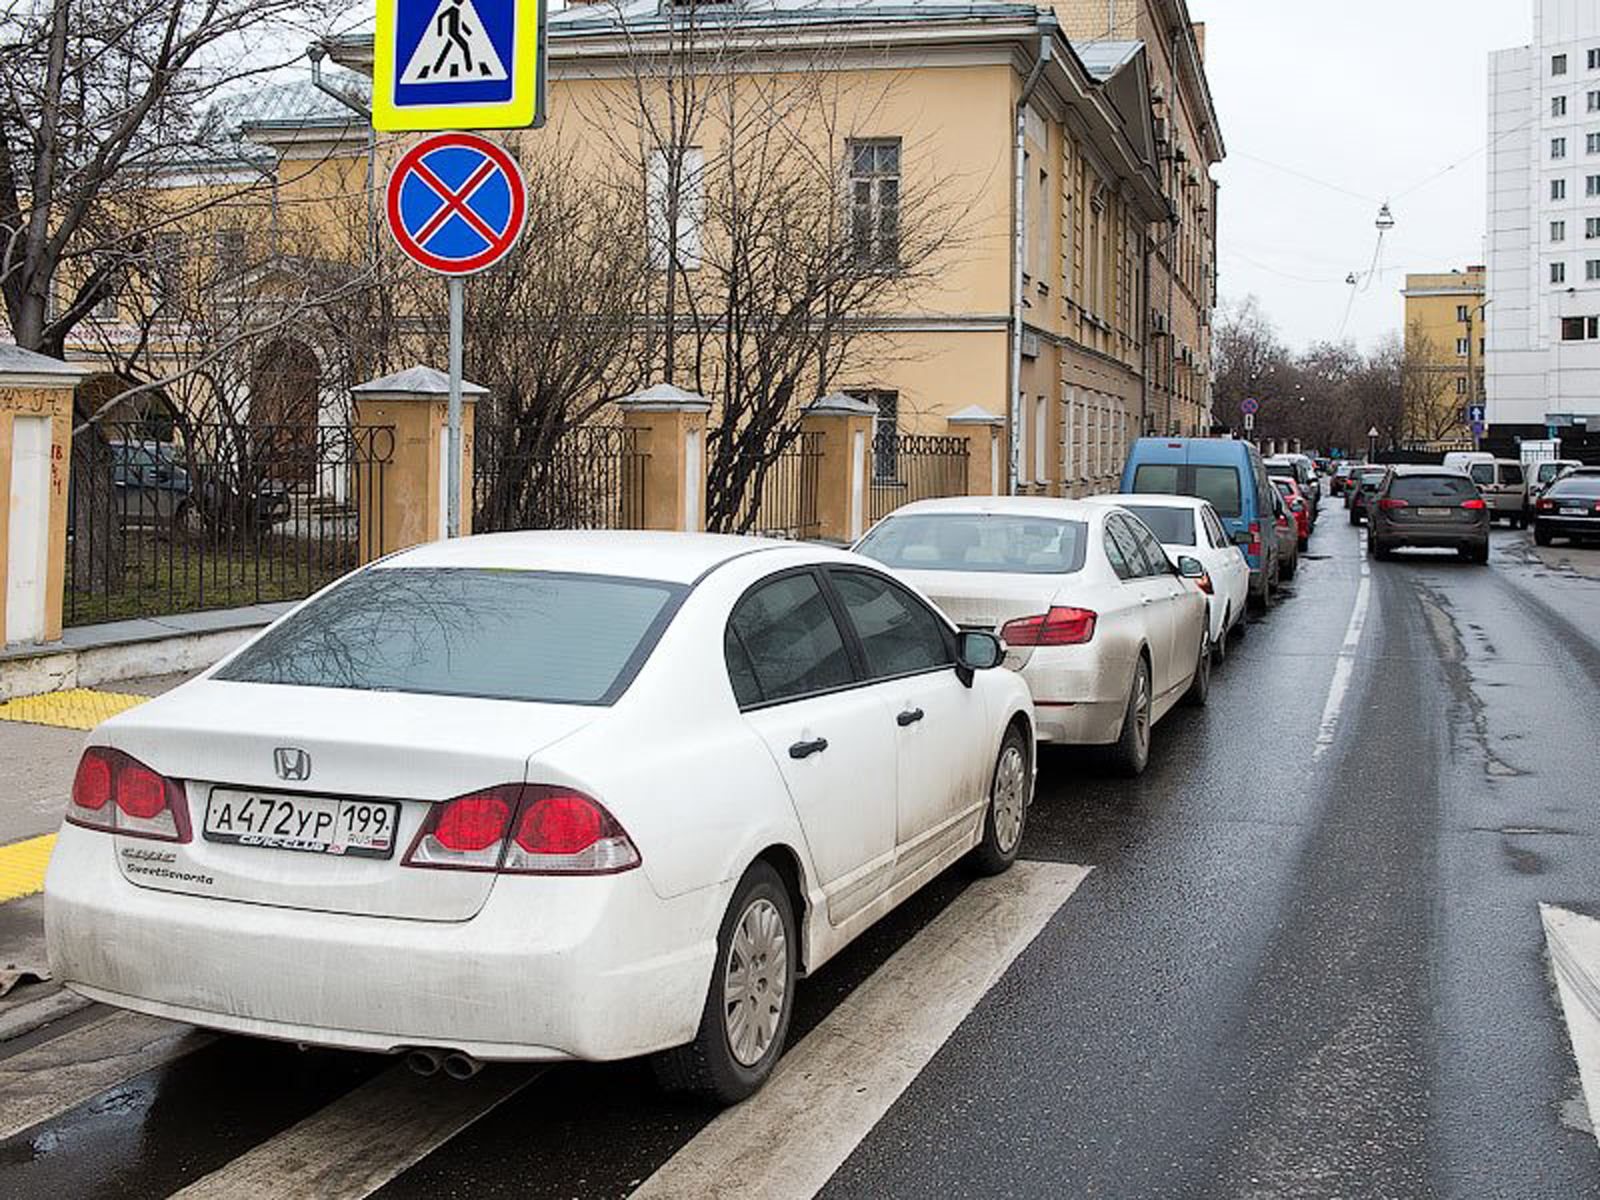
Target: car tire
{"points": [[1355, 516], [1200, 686], [1305, 543], [1289, 571], [1219, 648], [1480, 554], [1130, 754], [1006, 816], [1541, 536], [759, 917]]}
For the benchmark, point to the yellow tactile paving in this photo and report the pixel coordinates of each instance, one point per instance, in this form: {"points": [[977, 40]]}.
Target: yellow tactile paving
{"points": [[22, 866], [74, 708]]}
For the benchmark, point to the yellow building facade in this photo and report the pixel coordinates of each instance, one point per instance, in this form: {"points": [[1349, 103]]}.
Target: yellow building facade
{"points": [[1445, 334]]}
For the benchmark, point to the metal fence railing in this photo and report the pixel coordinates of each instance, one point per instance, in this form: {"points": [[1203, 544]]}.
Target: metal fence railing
{"points": [[781, 500], [915, 466], [216, 515], [591, 478]]}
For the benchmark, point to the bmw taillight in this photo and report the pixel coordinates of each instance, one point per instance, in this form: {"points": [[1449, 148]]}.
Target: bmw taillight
{"points": [[1061, 626], [523, 829], [116, 793], [1474, 505]]}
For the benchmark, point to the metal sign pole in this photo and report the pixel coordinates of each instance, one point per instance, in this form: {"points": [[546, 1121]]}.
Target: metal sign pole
{"points": [[458, 306]]}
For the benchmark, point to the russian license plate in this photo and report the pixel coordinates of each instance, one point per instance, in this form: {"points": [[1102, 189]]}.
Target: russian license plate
{"points": [[1433, 512], [315, 824], [1572, 512]]}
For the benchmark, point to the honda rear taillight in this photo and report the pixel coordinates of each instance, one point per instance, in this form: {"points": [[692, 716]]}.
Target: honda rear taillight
{"points": [[562, 832], [1389, 503], [1061, 626], [523, 829], [116, 793], [1475, 505]]}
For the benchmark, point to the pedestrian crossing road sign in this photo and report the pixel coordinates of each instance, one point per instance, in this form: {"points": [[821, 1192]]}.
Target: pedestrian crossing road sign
{"points": [[458, 64]]}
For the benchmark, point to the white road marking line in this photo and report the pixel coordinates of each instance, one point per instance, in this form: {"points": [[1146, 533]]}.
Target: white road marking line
{"points": [[1344, 666], [1574, 944], [360, 1142], [48, 1079], [831, 1089]]}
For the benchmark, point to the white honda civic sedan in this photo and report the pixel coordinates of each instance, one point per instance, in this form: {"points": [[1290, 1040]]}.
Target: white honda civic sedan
{"points": [[1103, 626], [540, 796], [1188, 527]]}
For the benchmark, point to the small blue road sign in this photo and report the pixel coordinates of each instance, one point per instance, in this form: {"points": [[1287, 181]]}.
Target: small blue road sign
{"points": [[1475, 414], [457, 64], [1249, 406], [456, 203]]}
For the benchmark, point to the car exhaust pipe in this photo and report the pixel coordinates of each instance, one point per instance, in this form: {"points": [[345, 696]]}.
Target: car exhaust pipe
{"points": [[425, 1062], [461, 1066]]}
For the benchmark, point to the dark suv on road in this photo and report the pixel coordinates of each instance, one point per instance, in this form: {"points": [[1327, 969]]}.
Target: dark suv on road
{"points": [[1428, 506]]}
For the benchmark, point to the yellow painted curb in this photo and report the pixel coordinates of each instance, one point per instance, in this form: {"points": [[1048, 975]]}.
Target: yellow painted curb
{"points": [[22, 866], [74, 708]]}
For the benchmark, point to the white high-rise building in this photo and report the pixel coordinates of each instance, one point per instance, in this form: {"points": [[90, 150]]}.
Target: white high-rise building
{"points": [[1542, 358]]}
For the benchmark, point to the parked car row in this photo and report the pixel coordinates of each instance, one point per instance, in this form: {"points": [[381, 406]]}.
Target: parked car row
{"points": [[707, 764]]}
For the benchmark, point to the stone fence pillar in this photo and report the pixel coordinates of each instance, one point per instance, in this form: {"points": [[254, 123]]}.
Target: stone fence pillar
{"points": [[986, 451], [402, 502], [843, 426], [670, 436], [35, 467]]}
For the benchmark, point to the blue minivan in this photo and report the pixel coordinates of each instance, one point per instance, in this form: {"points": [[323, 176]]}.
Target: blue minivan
{"points": [[1228, 473]]}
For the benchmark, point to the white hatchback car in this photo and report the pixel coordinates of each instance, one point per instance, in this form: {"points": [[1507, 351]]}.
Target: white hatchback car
{"points": [[1094, 615], [1188, 527], [539, 796]]}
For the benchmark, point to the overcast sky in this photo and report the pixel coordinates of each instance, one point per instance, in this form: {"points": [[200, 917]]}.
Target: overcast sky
{"points": [[1371, 97]]}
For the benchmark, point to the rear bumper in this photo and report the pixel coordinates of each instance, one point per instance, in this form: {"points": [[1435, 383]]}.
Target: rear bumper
{"points": [[1393, 536], [1077, 698], [1578, 527], [550, 968]]}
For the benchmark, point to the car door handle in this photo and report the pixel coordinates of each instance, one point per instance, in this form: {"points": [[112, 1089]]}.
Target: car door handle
{"points": [[1147, 600], [910, 717], [807, 749]]}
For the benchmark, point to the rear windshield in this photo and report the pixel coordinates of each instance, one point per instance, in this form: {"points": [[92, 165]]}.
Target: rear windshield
{"points": [[502, 635], [1001, 542], [1577, 486], [1220, 485], [1286, 469], [1174, 526], [1159, 479], [1421, 489]]}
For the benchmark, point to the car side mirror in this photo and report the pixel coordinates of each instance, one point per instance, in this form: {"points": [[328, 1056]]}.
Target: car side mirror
{"points": [[977, 650], [1190, 567]]}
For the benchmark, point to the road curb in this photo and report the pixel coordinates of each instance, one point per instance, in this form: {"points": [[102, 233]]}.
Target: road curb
{"points": [[18, 1020], [1574, 942]]}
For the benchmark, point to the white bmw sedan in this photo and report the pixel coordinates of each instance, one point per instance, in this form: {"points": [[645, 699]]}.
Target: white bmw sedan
{"points": [[1188, 527], [1103, 627], [540, 796]]}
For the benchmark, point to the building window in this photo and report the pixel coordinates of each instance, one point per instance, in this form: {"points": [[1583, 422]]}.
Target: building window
{"points": [[1594, 101], [1591, 270], [1041, 438], [1558, 231], [1594, 60], [1558, 106], [1462, 346], [1591, 227], [1580, 329], [1558, 147], [166, 270], [875, 201], [885, 434], [1592, 143], [1461, 312], [1558, 64], [1558, 189], [1461, 385], [106, 309], [1591, 185], [1558, 272], [682, 243]]}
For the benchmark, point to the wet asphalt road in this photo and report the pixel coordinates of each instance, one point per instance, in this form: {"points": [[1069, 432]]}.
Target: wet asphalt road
{"points": [[1287, 975]]}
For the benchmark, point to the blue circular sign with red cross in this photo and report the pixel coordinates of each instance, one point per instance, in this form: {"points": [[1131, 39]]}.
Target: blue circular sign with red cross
{"points": [[456, 203]]}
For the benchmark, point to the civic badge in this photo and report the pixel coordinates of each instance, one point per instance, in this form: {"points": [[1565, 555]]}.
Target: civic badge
{"points": [[293, 764]]}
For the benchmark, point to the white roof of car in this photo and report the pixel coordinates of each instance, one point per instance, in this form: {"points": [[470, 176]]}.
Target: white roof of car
{"points": [[1151, 500], [1056, 507], [670, 557]]}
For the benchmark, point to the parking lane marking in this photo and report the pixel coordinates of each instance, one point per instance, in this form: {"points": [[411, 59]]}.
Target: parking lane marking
{"points": [[48, 1079], [1573, 943], [22, 866], [831, 1090], [1344, 666], [361, 1141], [72, 708]]}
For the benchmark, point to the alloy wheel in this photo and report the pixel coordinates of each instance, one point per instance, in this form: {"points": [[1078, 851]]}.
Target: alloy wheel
{"points": [[1010, 797], [755, 985]]}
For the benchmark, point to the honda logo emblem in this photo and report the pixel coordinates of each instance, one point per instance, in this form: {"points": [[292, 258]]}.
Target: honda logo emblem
{"points": [[293, 763]]}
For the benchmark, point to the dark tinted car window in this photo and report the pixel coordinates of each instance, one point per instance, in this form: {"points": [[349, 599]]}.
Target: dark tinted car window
{"points": [[790, 639], [505, 635], [1511, 473], [898, 633], [1483, 473], [1157, 478], [1175, 526], [1576, 486], [1425, 489], [1220, 486]]}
